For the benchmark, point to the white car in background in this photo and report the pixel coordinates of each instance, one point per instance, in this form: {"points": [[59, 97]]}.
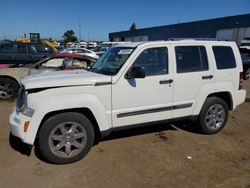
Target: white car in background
{"points": [[81, 51]]}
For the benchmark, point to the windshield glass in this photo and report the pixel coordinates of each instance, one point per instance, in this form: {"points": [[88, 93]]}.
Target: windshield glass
{"points": [[112, 61]]}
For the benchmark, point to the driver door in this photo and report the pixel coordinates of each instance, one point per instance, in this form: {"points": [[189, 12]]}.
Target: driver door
{"points": [[148, 99]]}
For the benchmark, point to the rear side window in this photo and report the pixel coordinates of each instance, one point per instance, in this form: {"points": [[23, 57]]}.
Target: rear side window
{"points": [[191, 59], [43, 49], [224, 57]]}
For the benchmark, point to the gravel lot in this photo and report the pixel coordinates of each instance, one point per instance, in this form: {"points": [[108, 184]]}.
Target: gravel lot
{"points": [[167, 155]]}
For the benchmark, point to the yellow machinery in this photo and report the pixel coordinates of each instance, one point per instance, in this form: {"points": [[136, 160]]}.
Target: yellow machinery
{"points": [[50, 43], [22, 39], [35, 37]]}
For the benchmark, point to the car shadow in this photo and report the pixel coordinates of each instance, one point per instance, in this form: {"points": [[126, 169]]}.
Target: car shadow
{"points": [[19, 146], [185, 125], [188, 126], [247, 100]]}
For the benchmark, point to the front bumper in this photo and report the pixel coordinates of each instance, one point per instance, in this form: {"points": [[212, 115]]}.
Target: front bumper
{"points": [[17, 122]]}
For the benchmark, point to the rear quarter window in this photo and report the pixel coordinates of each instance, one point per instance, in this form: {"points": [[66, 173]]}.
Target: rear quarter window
{"points": [[224, 57]]}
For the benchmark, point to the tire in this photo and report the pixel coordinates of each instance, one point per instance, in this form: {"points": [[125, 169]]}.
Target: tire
{"points": [[8, 89], [66, 138], [247, 74], [213, 116]]}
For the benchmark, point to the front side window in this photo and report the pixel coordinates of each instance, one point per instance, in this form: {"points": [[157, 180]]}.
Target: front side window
{"points": [[6, 48], [154, 60], [112, 61], [191, 59], [224, 57]]}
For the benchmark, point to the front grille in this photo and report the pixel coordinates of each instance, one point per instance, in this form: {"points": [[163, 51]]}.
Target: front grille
{"points": [[20, 98]]}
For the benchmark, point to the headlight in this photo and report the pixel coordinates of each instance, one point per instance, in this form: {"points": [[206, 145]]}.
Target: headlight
{"points": [[21, 99], [28, 111], [21, 105]]}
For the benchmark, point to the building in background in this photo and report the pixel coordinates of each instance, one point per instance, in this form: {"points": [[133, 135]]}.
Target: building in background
{"points": [[235, 28]]}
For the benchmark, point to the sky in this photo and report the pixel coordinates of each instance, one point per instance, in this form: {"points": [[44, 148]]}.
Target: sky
{"points": [[97, 18]]}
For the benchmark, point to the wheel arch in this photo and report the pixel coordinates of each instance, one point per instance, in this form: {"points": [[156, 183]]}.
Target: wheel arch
{"points": [[11, 78], [224, 95], [84, 111]]}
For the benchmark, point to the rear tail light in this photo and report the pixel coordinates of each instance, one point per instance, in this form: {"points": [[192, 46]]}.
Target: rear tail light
{"points": [[241, 80]]}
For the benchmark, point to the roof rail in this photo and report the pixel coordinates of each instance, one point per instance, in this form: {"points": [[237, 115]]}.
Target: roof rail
{"points": [[206, 39]]}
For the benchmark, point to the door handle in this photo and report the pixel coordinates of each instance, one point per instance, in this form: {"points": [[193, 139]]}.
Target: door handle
{"points": [[207, 77], [170, 81]]}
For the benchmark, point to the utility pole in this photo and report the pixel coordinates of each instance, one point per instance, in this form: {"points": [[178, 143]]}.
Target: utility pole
{"points": [[80, 32]]}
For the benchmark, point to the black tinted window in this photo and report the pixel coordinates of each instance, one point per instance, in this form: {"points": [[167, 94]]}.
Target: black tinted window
{"points": [[155, 61], [6, 48], [191, 59], [21, 48], [224, 57], [30, 49], [43, 49]]}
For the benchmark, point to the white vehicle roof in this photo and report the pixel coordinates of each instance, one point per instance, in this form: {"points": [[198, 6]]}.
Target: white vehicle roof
{"points": [[184, 41]]}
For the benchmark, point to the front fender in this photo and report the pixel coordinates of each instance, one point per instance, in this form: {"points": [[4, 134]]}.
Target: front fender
{"points": [[57, 103]]}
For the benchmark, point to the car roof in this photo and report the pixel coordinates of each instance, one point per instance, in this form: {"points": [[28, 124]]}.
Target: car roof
{"points": [[66, 55], [181, 41], [73, 55]]}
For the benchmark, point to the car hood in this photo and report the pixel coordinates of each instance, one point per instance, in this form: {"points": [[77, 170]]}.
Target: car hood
{"points": [[65, 78]]}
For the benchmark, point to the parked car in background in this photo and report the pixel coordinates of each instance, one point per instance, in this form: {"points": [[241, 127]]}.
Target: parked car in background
{"points": [[82, 51], [245, 44], [4, 66], [92, 45], [69, 44], [10, 77], [246, 65], [23, 53], [106, 45]]}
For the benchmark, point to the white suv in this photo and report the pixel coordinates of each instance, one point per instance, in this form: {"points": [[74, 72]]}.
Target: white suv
{"points": [[130, 85]]}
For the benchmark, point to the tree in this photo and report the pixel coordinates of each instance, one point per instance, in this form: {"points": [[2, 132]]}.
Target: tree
{"points": [[69, 36], [133, 27]]}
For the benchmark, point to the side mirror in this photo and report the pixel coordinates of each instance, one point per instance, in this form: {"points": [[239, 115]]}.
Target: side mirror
{"points": [[135, 72]]}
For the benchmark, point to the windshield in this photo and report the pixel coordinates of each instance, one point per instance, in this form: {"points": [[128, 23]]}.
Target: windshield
{"points": [[112, 61]]}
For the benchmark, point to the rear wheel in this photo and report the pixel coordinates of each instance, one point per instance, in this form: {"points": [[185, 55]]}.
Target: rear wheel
{"points": [[213, 115], [8, 89], [66, 138]]}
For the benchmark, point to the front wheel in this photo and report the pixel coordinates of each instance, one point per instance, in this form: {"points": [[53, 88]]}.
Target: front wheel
{"points": [[213, 115], [66, 138]]}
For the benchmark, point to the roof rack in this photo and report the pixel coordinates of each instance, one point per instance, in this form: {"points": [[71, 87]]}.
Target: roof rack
{"points": [[206, 39]]}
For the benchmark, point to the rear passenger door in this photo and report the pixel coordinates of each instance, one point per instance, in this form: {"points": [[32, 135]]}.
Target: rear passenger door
{"points": [[193, 75]]}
